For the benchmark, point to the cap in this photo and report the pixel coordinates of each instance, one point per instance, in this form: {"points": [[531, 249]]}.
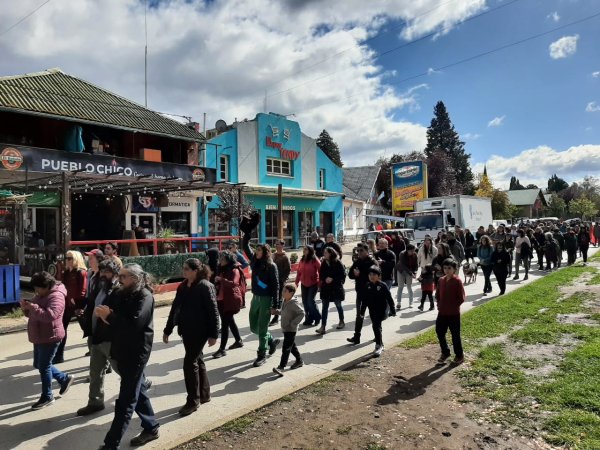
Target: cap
{"points": [[95, 252]]}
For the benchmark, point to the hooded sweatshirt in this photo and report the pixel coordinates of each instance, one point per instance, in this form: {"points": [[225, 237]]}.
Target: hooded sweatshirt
{"points": [[45, 316]]}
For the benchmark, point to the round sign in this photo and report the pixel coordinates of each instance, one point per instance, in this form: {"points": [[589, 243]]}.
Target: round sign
{"points": [[11, 158], [198, 175]]}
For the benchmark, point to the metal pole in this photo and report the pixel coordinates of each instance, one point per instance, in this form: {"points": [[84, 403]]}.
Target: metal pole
{"points": [[240, 211], [280, 211], [65, 213], [146, 55]]}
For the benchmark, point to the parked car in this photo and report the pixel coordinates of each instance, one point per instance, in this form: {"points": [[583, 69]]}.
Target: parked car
{"points": [[407, 232]]}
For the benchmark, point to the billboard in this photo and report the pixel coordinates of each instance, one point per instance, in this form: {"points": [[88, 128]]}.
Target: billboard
{"points": [[409, 184]]}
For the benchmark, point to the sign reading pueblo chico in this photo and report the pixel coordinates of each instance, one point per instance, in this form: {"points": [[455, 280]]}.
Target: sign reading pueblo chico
{"points": [[46, 160]]}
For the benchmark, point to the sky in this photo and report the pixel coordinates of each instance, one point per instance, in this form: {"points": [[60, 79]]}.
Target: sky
{"points": [[520, 78]]}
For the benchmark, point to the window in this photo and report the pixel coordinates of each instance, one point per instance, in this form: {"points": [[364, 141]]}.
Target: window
{"points": [[223, 168], [347, 217], [279, 167], [322, 179]]}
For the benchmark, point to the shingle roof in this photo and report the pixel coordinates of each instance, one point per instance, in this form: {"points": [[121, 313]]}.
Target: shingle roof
{"points": [[54, 93], [524, 197], [359, 181]]}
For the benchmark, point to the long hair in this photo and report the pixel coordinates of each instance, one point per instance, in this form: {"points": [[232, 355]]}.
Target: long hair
{"points": [[485, 241], [142, 279], [266, 253], [229, 258], [428, 251], [311, 254], [334, 255], [203, 271], [78, 261], [447, 251]]}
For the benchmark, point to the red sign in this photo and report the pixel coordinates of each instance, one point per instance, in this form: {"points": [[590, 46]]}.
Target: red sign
{"points": [[284, 152], [11, 158]]}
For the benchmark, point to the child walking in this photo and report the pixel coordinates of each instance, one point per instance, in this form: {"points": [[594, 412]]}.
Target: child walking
{"points": [[450, 295], [291, 313], [380, 303], [427, 286]]}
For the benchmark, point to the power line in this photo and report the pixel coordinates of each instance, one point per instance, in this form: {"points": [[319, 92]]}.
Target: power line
{"points": [[22, 19], [465, 60]]}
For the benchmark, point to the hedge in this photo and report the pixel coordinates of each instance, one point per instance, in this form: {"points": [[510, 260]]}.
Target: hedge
{"points": [[163, 267]]}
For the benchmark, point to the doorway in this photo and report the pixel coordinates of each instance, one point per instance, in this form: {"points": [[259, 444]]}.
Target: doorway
{"points": [[326, 219], [272, 227], [307, 225]]}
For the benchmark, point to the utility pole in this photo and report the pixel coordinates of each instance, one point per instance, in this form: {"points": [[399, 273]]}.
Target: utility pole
{"points": [[280, 211]]}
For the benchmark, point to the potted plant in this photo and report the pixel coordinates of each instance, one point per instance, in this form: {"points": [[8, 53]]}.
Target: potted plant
{"points": [[166, 246]]}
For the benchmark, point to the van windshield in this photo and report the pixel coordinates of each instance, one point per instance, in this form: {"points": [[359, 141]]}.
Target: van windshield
{"points": [[424, 221]]}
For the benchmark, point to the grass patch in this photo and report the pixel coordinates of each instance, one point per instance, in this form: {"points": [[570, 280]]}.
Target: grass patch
{"points": [[15, 313], [344, 430], [326, 384], [238, 425], [286, 398], [595, 280], [206, 437], [501, 314]]}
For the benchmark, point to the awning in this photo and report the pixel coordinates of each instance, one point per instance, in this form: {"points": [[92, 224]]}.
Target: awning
{"points": [[383, 217], [289, 192]]}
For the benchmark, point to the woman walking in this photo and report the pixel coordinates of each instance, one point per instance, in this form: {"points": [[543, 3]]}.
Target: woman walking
{"points": [[522, 253], [484, 253], [443, 253], [75, 281], [332, 275], [501, 264], [265, 298], [45, 331], [308, 276], [231, 289], [194, 311], [470, 245], [583, 242], [427, 252]]}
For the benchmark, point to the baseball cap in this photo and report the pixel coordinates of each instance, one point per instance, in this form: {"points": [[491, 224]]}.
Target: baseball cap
{"points": [[95, 252]]}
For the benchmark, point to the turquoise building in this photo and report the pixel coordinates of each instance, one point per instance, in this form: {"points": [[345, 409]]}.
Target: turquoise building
{"points": [[263, 153]]}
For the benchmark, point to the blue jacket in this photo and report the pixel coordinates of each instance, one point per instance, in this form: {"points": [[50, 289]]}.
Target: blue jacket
{"points": [[485, 255]]}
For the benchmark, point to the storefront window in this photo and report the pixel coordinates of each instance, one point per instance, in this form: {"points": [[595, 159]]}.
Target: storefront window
{"points": [[279, 167], [179, 222], [272, 227], [215, 226]]}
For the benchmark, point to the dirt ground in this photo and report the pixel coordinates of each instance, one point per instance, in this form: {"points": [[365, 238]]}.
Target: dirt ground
{"points": [[402, 400]]}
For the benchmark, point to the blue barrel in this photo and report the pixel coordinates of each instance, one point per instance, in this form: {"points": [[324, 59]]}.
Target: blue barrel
{"points": [[10, 286]]}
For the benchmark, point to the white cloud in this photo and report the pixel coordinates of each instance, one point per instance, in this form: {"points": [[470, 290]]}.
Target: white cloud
{"points": [[432, 71], [496, 121], [535, 166], [221, 57], [592, 107], [596, 74], [470, 136], [553, 16], [565, 46]]}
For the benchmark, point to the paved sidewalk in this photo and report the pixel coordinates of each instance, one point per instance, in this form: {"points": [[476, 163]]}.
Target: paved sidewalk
{"points": [[237, 387]]}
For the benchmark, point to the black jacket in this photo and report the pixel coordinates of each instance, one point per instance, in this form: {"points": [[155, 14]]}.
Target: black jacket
{"points": [[319, 246], [501, 260], [333, 291], [363, 265], [335, 246], [387, 264], [132, 326], [265, 277], [379, 301], [194, 311], [103, 332]]}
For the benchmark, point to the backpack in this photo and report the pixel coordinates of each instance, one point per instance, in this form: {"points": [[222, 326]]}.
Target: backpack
{"points": [[243, 283]]}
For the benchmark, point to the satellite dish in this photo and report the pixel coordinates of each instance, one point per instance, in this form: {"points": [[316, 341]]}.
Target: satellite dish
{"points": [[221, 125]]}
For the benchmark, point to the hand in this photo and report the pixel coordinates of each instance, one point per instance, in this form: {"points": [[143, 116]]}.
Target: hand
{"points": [[211, 342], [356, 272], [328, 280], [24, 304], [102, 312], [78, 312], [165, 338]]}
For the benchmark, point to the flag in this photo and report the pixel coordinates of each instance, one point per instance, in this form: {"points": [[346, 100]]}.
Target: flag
{"points": [[381, 195]]}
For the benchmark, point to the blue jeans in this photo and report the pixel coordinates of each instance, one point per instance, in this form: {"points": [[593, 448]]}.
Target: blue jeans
{"points": [[338, 305], [132, 397], [43, 354], [311, 311]]}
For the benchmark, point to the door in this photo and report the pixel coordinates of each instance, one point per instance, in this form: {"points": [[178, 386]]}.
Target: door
{"points": [[272, 227], [326, 219], [307, 225]]}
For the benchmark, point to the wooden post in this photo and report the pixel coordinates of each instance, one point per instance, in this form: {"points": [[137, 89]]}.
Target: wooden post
{"points": [[240, 207], [280, 211], [65, 210]]}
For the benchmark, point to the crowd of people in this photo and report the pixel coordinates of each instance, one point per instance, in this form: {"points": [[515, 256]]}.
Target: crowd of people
{"points": [[114, 304]]}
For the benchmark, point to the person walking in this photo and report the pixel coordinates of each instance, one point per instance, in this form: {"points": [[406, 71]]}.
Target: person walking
{"points": [[427, 280], [500, 265], [284, 267], [443, 253], [45, 331], [317, 243], [75, 281], [470, 246], [560, 239], [130, 316], [571, 245], [539, 246], [291, 315], [330, 242], [110, 252], [522, 253], [456, 248], [195, 313], [332, 275], [406, 269], [550, 251], [450, 295], [359, 272], [387, 262], [484, 253], [231, 290], [241, 259], [308, 276], [427, 252], [94, 257], [99, 335], [265, 297], [583, 242], [597, 233]]}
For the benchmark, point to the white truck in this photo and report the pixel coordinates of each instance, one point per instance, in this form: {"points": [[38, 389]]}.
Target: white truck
{"points": [[432, 215]]}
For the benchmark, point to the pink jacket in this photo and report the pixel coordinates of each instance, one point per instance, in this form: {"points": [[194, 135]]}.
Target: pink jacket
{"points": [[308, 273], [45, 316]]}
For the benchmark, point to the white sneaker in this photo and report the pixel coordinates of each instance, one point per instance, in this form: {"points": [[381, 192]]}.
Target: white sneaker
{"points": [[378, 351]]}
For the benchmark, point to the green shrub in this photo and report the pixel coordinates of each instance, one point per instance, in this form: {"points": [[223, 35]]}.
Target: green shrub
{"points": [[163, 267], [294, 258]]}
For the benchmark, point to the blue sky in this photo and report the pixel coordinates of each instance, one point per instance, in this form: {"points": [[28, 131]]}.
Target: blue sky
{"points": [[520, 110]]}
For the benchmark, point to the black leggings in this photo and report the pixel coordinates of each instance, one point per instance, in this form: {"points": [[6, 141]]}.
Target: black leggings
{"points": [[424, 295], [289, 346], [584, 252], [228, 322], [501, 274]]}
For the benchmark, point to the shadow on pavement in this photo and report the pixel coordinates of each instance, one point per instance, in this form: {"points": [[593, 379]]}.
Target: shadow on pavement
{"points": [[407, 389]]}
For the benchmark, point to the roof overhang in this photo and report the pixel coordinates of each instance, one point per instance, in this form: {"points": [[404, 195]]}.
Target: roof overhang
{"points": [[289, 192]]}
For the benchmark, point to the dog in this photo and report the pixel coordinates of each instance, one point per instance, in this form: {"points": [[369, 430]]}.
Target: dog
{"points": [[470, 272]]}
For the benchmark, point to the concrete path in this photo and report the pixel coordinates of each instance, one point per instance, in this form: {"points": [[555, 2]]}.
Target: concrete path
{"points": [[237, 387]]}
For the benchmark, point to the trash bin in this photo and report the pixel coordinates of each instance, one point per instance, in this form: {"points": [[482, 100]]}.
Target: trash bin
{"points": [[10, 287]]}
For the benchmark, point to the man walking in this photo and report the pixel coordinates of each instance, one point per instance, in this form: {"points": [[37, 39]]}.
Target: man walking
{"points": [[387, 261], [282, 261], [359, 272]]}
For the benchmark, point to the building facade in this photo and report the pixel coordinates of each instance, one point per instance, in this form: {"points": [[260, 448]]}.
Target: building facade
{"points": [[265, 152]]}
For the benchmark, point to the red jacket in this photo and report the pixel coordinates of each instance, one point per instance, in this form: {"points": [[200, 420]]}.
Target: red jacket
{"points": [[45, 316], [230, 295], [76, 283], [450, 295], [308, 273]]}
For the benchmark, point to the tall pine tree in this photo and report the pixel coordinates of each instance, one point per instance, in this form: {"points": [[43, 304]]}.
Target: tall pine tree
{"points": [[330, 148], [441, 136]]}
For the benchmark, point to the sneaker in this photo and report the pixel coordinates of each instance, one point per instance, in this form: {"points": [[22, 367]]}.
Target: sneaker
{"points": [[320, 331], [148, 384], [398, 307], [42, 403], [144, 437], [260, 360], [297, 364], [274, 321], [66, 385], [87, 354], [278, 371], [340, 325], [187, 409], [89, 409], [431, 308], [307, 324], [420, 308], [219, 353], [442, 359], [458, 360], [410, 305], [354, 340], [526, 277], [378, 351], [236, 344], [516, 277], [317, 323], [273, 346]]}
